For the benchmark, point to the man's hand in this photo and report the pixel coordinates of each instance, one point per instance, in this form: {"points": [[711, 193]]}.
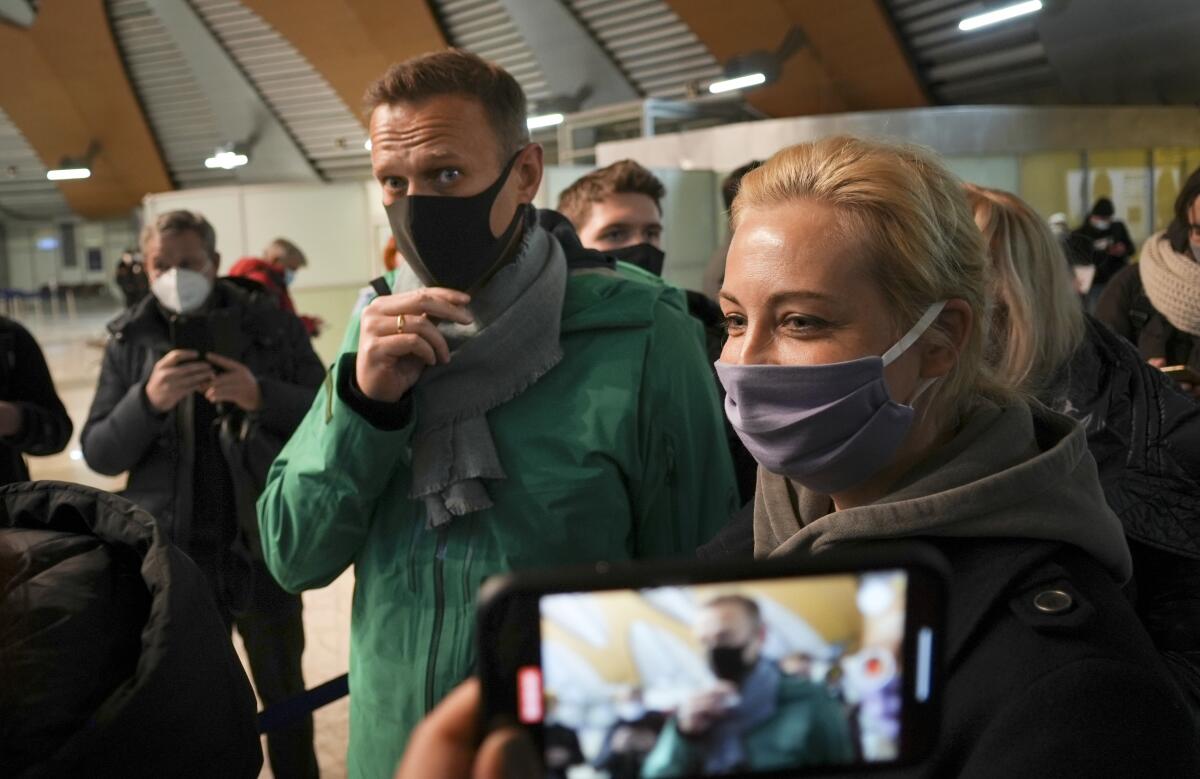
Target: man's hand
{"points": [[390, 357], [1118, 249], [10, 419], [701, 711], [235, 385], [178, 374], [443, 745]]}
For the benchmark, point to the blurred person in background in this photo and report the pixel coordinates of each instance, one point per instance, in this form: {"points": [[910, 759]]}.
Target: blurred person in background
{"points": [[276, 270], [1143, 431], [197, 433], [507, 401], [617, 211], [33, 420], [1156, 303], [131, 278], [714, 273], [755, 718], [858, 296], [1111, 246]]}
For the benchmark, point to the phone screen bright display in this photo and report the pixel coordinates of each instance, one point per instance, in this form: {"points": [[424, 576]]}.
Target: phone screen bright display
{"points": [[713, 679]]}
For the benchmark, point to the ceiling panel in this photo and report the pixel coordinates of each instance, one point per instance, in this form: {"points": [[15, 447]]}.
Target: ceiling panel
{"points": [[325, 129], [483, 27], [24, 190], [649, 42], [174, 104]]}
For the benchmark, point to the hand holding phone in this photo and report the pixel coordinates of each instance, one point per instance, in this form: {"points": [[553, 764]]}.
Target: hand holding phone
{"points": [[178, 374]]}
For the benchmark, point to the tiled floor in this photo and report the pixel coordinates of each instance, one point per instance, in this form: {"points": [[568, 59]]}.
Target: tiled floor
{"points": [[73, 349]]}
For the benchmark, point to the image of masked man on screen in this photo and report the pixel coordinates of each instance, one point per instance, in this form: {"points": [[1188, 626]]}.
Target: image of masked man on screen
{"points": [[753, 718]]}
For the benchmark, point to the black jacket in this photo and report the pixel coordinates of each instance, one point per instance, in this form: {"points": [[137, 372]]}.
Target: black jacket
{"points": [[113, 659], [1145, 435], [1082, 693], [25, 381], [1106, 264], [123, 433], [1125, 308]]}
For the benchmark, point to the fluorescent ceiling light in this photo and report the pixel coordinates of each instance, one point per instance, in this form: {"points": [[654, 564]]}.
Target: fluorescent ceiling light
{"points": [[741, 82], [227, 160], [66, 174], [545, 120], [367, 144], [999, 15]]}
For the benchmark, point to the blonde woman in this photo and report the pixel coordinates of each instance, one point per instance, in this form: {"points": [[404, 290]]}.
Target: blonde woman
{"points": [[1143, 430], [856, 298]]}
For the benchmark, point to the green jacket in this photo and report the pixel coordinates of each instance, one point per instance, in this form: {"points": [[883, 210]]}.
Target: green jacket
{"points": [[616, 453], [808, 728]]}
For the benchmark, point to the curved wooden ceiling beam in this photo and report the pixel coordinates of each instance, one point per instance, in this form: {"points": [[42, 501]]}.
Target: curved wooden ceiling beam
{"points": [[352, 42], [854, 60], [71, 89]]}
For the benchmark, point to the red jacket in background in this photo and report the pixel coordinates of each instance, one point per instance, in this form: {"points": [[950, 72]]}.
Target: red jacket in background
{"points": [[271, 277]]}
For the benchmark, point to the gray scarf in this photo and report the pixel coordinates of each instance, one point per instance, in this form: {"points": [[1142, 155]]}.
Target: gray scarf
{"points": [[512, 343], [758, 699]]}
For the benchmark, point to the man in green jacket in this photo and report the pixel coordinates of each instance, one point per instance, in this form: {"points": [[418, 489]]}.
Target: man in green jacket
{"points": [[508, 403], [755, 718]]}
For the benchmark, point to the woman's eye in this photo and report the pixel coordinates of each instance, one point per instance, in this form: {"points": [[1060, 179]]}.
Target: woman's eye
{"points": [[733, 322], [448, 175], [804, 323]]}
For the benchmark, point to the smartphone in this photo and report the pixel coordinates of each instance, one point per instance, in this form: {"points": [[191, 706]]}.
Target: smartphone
{"points": [[190, 332], [217, 332], [774, 668], [1182, 374]]}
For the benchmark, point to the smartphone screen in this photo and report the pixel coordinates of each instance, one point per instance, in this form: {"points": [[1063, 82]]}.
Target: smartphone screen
{"points": [[755, 677]]}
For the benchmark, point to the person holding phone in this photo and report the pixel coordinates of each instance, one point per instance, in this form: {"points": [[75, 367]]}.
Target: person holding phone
{"points": [[505, 402], [201, 384], [1156, 303], [857, 300]]}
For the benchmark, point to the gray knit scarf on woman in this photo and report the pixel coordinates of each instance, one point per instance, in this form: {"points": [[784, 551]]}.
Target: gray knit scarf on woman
{"points": [[512, 343]]}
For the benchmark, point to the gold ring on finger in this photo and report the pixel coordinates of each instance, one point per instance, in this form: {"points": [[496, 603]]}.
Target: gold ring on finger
{"points": [[400, 323]]}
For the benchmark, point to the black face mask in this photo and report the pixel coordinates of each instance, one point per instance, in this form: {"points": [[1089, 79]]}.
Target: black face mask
{"points": [[729, 663], [448, 241], [646, 256]]}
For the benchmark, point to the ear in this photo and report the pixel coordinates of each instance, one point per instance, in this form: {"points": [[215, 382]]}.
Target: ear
{"points": [[940, 355], [528, 172]]}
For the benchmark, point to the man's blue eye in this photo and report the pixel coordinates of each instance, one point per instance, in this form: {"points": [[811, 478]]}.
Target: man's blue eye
{"points": [[448, 176]]}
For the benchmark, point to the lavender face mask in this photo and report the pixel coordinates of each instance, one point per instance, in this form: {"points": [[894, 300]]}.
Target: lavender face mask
{"points": [[827, 427]]}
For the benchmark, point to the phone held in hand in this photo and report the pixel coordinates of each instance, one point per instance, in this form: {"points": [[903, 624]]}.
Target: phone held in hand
{"points": [[1182, 374], [771, 668], [218, 332]]}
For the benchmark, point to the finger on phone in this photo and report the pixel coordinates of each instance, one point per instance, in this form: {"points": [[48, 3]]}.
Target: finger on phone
{"points": [[178, 356], [221, 361]]}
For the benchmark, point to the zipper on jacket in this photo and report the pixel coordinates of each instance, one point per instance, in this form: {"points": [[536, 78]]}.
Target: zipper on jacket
{"points": [[439, 614]]}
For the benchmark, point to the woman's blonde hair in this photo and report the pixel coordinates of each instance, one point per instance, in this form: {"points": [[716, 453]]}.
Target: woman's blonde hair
{"points": [[1038, 321], [915, 225]]}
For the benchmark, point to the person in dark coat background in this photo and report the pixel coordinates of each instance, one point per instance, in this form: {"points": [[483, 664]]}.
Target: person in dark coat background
{"points": [[198, 435], [1143, 431], [1156, 303], [32, 418], [113, 659], [1111, 246]]}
